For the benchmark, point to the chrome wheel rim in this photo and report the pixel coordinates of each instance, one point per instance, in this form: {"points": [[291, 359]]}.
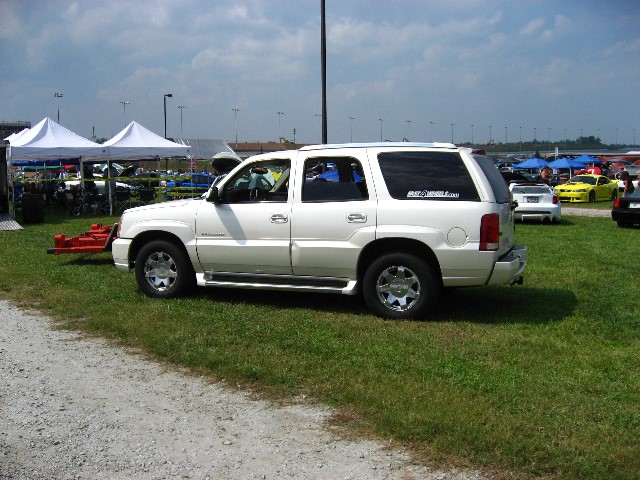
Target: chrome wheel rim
{"points": [[398, 288], [160, 271]]}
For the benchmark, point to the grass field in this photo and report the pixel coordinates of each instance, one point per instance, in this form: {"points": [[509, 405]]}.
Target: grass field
{"points": [[535, 380]]}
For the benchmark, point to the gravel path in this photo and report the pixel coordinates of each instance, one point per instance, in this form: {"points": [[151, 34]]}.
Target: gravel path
{"points": [[72, 407], [586, 212]]}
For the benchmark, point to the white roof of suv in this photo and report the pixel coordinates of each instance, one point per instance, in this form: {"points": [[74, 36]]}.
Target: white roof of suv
{"points": [[380, 144]]}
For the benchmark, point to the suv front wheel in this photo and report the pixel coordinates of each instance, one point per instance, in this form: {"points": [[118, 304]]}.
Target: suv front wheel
{"points": [[163, 270], [399, 286]]}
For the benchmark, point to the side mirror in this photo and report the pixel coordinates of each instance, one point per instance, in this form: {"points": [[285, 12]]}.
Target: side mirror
{"points": [[214, 196]]}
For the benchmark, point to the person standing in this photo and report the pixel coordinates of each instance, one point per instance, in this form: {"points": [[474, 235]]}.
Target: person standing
{"points": [[628, 184]]}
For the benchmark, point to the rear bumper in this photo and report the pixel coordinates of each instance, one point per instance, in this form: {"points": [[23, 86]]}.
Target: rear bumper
{"points": [[509, 268], [548, 212], [626, 216]]}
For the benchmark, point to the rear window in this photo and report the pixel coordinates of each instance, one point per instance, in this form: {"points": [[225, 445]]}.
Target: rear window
{"points": [[531, 189], [427, 176]]}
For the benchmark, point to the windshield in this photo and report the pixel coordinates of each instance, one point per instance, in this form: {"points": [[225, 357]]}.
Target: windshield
{"points": [[583, 179]]}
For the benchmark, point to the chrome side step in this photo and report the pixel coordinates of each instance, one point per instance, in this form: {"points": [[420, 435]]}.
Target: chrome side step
{"points": [[278, 282]]}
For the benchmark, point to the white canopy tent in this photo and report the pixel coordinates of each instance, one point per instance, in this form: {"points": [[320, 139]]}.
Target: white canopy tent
{"points": [[49, 141], [46, 141], [14, 136], [136, 142]]}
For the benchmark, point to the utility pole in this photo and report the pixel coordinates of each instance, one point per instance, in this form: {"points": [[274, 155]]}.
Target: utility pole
{"points": [[323, 40]]}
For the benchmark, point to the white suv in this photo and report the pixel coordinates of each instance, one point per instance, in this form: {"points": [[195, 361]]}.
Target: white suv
{"points": [[396, 221]]}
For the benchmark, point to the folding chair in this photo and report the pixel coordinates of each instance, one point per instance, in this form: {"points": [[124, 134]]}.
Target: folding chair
{"points": [[146, 195], [122, 199]]}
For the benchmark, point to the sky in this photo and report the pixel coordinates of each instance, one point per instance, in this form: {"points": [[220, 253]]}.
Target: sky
{"points": [[499, 70]]}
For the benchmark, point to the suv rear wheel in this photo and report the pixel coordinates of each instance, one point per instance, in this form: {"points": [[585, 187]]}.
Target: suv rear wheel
{"points": [[399, 286]]}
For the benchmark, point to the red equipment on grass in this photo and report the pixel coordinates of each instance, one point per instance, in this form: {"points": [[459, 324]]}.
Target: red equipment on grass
{"points": [[96, 240]]}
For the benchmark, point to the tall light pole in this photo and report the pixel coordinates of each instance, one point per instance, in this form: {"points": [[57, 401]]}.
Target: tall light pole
{"points": [[505, 136], [380, 129], [351, 119], [124, 111], [319, 117], [634, 137], [235, 120], [431, 131], [165, 112], [279, 117], [408, 129], [520, 137], [490, 137], [182, 107], [472, 134], [58, 96], [323, 62], [452, 132]]}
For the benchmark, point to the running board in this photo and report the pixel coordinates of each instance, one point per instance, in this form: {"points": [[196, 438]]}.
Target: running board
{"points": [[278, 282]]}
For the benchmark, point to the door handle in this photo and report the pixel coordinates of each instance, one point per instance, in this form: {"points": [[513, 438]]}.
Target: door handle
{"points": [[357, 217], [279, 218]]}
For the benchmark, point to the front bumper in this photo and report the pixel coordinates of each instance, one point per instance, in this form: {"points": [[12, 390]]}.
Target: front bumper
{"points": [[573, 196], [120, 252]]}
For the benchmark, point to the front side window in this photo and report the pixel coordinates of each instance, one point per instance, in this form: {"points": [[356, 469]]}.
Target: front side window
{"points": [[264, 181], [426, 176], [334, 179]]}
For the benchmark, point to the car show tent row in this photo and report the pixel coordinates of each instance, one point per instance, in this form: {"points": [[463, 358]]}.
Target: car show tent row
{"points": [[49, 140]]}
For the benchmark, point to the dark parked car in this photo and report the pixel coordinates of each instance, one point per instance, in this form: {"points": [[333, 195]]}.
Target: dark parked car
{"points": [[192, 185], [626, 210]]}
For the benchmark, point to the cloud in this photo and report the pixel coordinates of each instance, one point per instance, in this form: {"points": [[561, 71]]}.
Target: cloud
{"points": [[10, 24], [532, 27]]}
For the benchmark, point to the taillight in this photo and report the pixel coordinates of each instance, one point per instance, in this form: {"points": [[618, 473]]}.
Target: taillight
{"points": [[490, 232], [616, 203], [555, 199]]}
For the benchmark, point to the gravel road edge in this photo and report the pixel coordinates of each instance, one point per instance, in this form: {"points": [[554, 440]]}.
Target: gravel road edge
{"points": [[73, 407]]}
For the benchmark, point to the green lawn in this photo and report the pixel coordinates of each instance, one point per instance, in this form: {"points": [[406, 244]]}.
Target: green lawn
{"points": [[541, 379]]}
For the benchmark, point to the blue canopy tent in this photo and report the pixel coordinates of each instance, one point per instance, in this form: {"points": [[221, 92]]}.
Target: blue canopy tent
{"points": [[569, 163], [588, 159], [531, 163]]}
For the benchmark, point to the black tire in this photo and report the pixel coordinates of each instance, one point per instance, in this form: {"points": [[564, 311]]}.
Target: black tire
{"points": [[400, 286], [592, 196], [163, 270], [614, 194]]}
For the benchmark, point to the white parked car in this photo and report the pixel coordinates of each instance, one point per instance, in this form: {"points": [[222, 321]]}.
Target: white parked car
{"points": [[536, 201], [100, 185]]}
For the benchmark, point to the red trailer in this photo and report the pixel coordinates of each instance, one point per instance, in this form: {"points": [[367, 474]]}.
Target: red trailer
{"points": [[96, 240]]}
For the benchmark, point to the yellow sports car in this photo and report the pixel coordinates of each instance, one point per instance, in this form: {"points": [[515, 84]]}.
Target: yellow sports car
{"points": [[587, 188]]}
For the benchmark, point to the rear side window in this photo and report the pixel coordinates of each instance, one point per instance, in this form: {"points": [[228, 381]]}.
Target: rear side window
{"points": [[427, 176], [498, 185], [334, 179]]}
